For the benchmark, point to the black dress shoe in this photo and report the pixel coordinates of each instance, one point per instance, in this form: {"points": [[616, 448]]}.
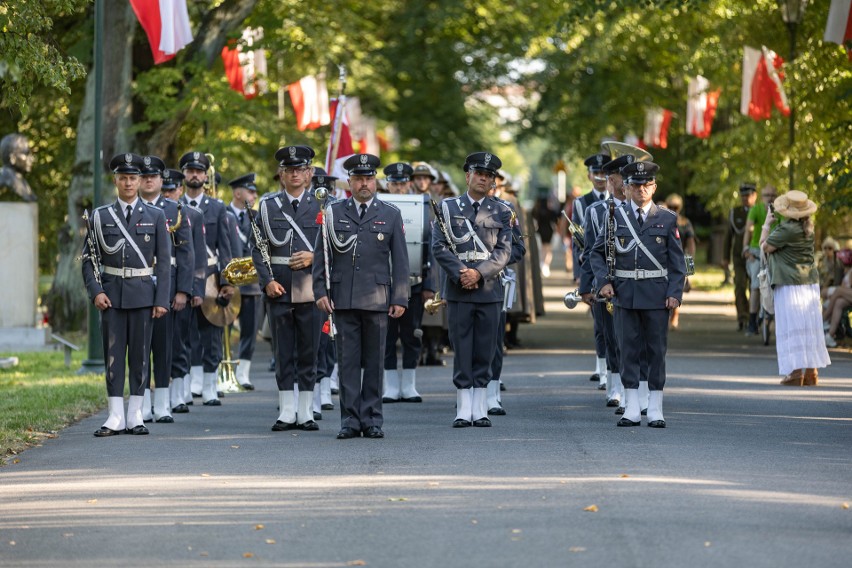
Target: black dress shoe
{"points": [[374, 432], [657, 424], [283, 426], [412, 399], [220, 394], [626, 422], [148, 421], [196, 395], [389, 400], [309, 426], [103, 432], [317, 415], [613, 402], [461, 423], [483, 422], [644, 412], [346, 433], [213, 402], [137, 430], [271, 367], [327, 406], [502, 387], [602, 387], [165, 420], [497, 411], [335, 391], [620, 410], [247, 386], [190, 403], [595, 377], [180, 409]]}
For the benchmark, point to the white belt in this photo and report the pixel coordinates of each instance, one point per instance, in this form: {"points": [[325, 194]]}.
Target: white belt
{"points": [[473, 255], [212, 260], [128, 272], [173, 262], [279, 260], [641, 274]]}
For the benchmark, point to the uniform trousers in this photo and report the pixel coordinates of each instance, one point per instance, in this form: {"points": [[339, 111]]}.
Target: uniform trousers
{"points": [[361, 337], [180, 342], [638, 329], [251, 314], [497, 362], [196, 352], [296, 330], [473, 335], [600, 338], [741, 284], [404, 329], [325, 356], [613, 352], [211, 343], [127, 341], [162, 342]]}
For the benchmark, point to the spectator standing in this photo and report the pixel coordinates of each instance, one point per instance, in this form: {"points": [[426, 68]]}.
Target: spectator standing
{"points": [[751, 252], [737, 219]]}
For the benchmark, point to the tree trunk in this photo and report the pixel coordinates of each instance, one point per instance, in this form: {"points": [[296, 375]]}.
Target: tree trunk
{"points": [[67, 301]]}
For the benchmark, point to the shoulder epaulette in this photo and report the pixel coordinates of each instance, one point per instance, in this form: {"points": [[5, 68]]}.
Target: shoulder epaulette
{"points": [[667, 210], [391, 204]]}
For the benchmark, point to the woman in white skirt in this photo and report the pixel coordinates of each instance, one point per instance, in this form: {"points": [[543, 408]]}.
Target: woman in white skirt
{"points": [[795, 281]]}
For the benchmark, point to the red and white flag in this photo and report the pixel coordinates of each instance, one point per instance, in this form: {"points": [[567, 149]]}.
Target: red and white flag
{"points": [[838, 28], [762, 84], [166, 23], [310, 100], [246, 68], [657, 121], [701, 107], [339, 131]]}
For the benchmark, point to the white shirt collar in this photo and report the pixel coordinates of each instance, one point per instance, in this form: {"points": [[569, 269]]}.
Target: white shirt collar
{"points": [[236, 209], [472, 200], [123, 204], [290, 198], [645, 209], [600, 195], [367, 203]]}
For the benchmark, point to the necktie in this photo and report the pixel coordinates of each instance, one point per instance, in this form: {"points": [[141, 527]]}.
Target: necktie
{"points": [[639, 213], [475, 208], [602, 196], [295, 204], [242, 217], [127, 215], [194, 203], [363, 210]]}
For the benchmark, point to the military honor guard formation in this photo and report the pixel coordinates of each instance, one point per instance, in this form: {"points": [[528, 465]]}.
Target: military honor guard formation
{"points": [[336, 279]]}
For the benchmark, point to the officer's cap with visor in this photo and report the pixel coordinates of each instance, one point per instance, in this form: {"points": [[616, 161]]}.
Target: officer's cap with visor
{"points": [[362, 165], [747, 187], [194, 161], [596, 162], [640, 173], [171, 179], [245, 182], [126, 164], [423, 169], [152, 166], [400, 172], [322, 179], [294, 156], [482, 162], [614, 166]]}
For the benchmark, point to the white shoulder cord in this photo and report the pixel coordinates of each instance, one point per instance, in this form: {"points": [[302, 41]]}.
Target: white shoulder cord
{"points": [[264, 216], [639, 243], [447, 221], [127, 237], [340, 246], [294, 225], [100, 234]]}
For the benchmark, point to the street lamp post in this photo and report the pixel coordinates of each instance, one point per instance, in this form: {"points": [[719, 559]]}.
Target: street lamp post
{"points": [[792, 12]]}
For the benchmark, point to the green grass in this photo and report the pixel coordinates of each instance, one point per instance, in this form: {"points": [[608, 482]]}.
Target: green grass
{"points": [[41, 395]]}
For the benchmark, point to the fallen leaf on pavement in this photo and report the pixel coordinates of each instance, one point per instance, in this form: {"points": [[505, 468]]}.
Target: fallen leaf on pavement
{"points": [[591, 509], [248, 555], [473, 521], [235, 447], [516, 531], [270, 541], [16, 460], [623, 475], [92, 501], [67, 535], [707, 544], [203, 554], [397, 499], [259, 527], [205, 475], [844, 506], [356, 563], [12, 543], [577, 549]]}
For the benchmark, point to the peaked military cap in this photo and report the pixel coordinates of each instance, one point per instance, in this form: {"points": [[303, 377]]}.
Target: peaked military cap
{"points": [[172, 178], [152, 165], [126, 164], [194, 161], [747, 187], [639, 173], [322, 179], [362, 165], [613, 166], [246, 182], [400, 171], [423, 169], [482, 161], [596, 162], [295, 156]]}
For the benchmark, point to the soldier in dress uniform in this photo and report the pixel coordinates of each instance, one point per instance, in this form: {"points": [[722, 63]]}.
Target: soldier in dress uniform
{"points": [[737, 219], [646, 282], [194, 166], [181, 281], [251, 309], [473, 254], [401, 387], [289, 227], [354, 282], [595, 164], [130, 290]]}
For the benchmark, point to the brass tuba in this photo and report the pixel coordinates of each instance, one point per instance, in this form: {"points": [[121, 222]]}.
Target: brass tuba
{"points": [[616, 149], [432, 305], [241, 272]]}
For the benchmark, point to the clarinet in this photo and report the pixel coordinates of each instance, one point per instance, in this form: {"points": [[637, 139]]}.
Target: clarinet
{"points": [[443, 226], [93, 253], [610, 253], [260, 242]]}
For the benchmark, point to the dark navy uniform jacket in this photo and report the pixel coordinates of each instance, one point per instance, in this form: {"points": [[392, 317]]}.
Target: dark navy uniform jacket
{"points": [[595, 223], [373, 274], [195, 219], [147, 228], [181, 247], [660, 236], [215, 232], [298, 284], [492, 225]]}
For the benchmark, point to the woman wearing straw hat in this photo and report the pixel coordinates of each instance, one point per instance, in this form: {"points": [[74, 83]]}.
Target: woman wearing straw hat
{"points": [[795, 281]]}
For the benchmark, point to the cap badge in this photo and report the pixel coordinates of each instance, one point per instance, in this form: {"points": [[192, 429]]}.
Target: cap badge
{"points": [[399, 168], [321, 180], [166, 175], [363, 159], [640, 167], [292, 151], [599, 158], [487, 158], [128, 158], [630, 159], [196, 156], [147, 160]]}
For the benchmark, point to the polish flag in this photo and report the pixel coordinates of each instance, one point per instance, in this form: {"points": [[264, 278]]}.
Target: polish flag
{"points": [[310, 100], [657, 121], [838, 28], [762, 84], [368, 142], [701, 107], [166, 23], [246, 69], [340, 130]]}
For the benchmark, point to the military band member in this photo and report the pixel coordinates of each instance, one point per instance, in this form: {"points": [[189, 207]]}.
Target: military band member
{"points": [[288, 225], [401, 387], [594, 164], [180, 286], [132, 290], [363, 234], [251, 309], [477, 251], [647, 282], [194, 166]]}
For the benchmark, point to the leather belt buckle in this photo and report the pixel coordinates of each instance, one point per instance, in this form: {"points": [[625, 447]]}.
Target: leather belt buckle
{"points": [[640, 274]]}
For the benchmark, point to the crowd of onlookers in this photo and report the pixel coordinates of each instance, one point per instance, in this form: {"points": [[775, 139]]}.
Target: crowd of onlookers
{"points": [[835, 282]]}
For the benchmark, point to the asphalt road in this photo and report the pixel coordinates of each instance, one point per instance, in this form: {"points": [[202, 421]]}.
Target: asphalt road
{"points": [[748, 473]]}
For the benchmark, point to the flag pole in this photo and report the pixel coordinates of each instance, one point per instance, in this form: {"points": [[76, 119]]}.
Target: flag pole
{"points": [[334, 141]]}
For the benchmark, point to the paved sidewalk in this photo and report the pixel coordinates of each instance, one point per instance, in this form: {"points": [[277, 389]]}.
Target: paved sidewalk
{"points": [[748, 473]]}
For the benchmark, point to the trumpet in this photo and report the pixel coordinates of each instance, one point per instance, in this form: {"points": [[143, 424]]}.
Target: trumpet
{"points": [[576, 231], [432, 305], [572, 299]]}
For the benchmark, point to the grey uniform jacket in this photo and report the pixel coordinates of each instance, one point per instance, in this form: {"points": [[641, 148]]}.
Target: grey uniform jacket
{"points": [[147, 228], [492, 225], [660, 236], [595, 223], [215, 233], [272, 222], [373, 273], [195, 219], [519, 248], [181, 247], [241, 245]]}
